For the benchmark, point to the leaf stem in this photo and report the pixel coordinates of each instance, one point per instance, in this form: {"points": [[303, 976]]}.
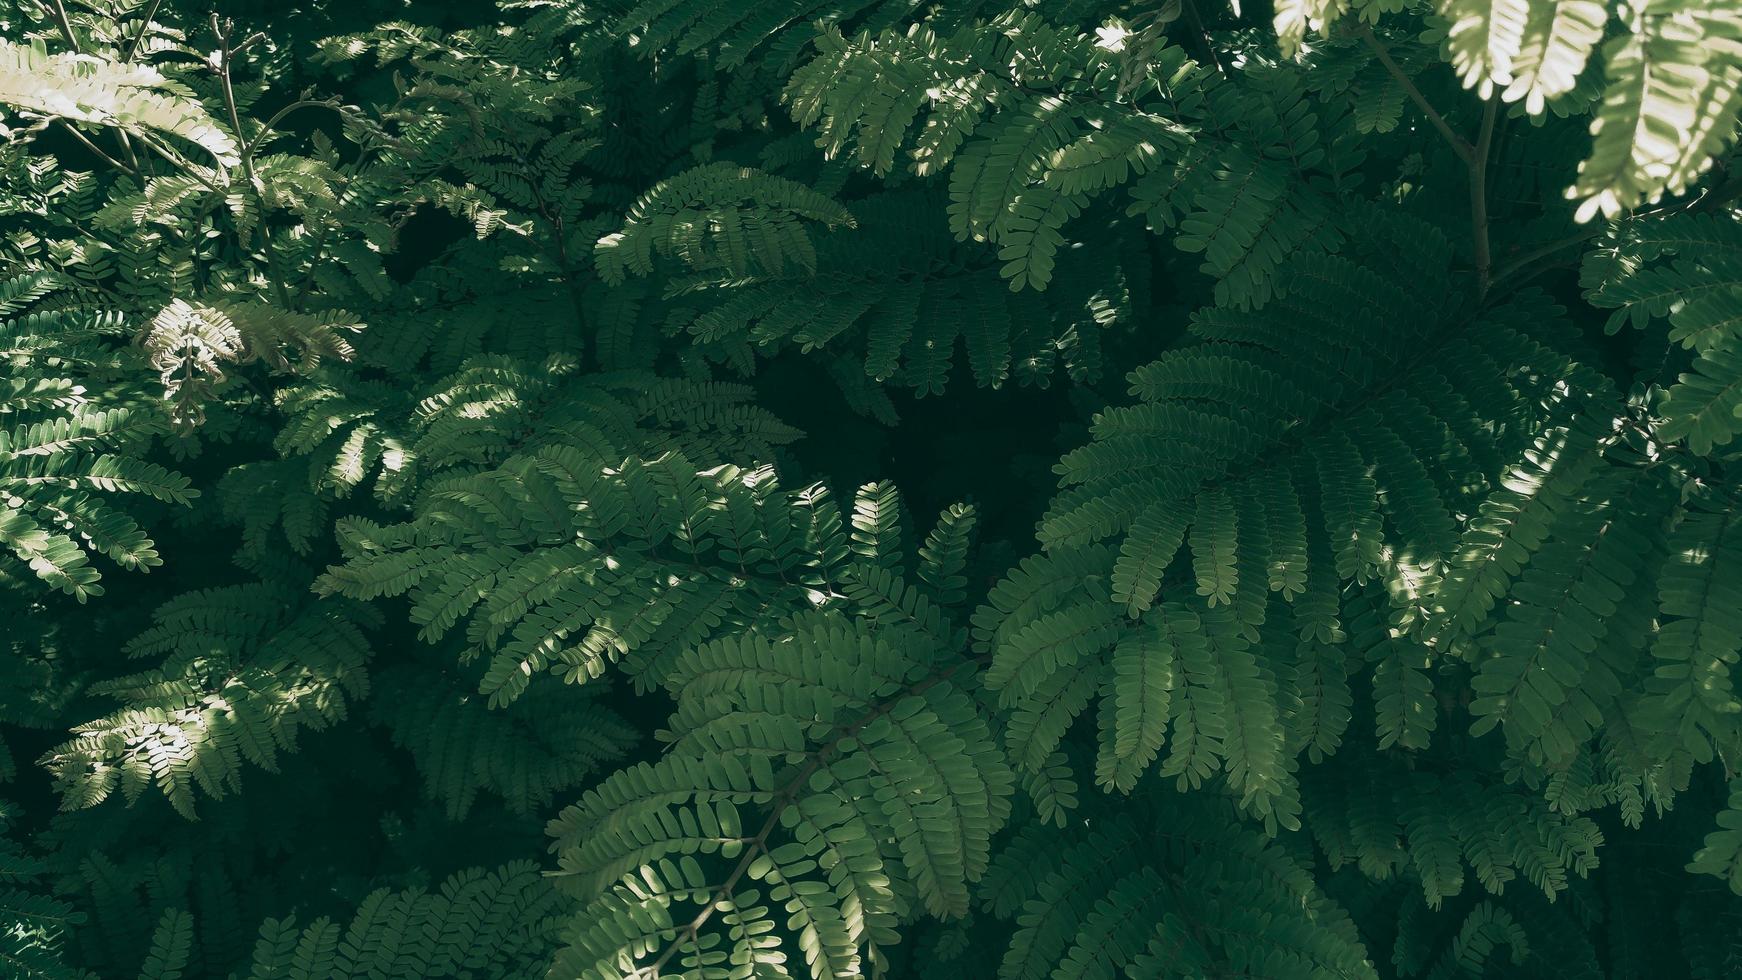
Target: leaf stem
{"points": [[266, 130], [177, 161], [245, 152], [224, 52]]}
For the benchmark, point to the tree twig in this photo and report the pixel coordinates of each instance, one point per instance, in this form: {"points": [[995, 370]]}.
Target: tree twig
{"points": [[1711, 200], [1461, 146], [1518, 265], [177, 161], [58, 10], [1203, 32], [224, 52]]}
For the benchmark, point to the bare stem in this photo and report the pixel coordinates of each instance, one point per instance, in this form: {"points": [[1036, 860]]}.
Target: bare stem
{"points": [[1475, 156], [226, 55], [1522, 266], [224, 52], [272, 123], [1203, 32], [1524, 261], [83, 139], [1479, 197], [144, 28], [177, 161], [58, 11], [1461, 146]]}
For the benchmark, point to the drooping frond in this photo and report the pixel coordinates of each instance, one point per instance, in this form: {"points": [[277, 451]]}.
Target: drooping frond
{"points": [[463, 748], [1674, 84], [1187, 892], [903, 304], [1261, 465], [1684, 269], [192, 345]]}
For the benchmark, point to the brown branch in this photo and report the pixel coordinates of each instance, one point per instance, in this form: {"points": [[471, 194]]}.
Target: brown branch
{"points": [[1475, 156]]}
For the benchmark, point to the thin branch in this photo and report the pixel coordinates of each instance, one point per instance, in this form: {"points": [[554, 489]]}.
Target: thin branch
{"points": [[178, 161], [224, 52], [82, 138], [1479, 197], [127, 148], [1203, 32], [1461, 146], [272, 123], [58, 11], [1518, 265], [1475, 157], [144, 28], [1711, 200]]}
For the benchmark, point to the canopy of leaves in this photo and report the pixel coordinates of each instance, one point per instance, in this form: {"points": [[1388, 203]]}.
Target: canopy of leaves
{"points": [[804, 489]]}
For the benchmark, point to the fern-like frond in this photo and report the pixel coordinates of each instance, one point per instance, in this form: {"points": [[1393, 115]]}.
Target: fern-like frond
{"points": [[1230, 480], [244, 669], [92, 89], [75, 442], [737, 220], [828, 746], [477, 923], [1674, 84]]}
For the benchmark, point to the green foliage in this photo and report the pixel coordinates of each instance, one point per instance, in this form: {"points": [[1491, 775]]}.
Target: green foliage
{"points": [[37, 923], [78, 431], [872, 783], [478, 923], [482, 390], [244, 669], [98, 90]]}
